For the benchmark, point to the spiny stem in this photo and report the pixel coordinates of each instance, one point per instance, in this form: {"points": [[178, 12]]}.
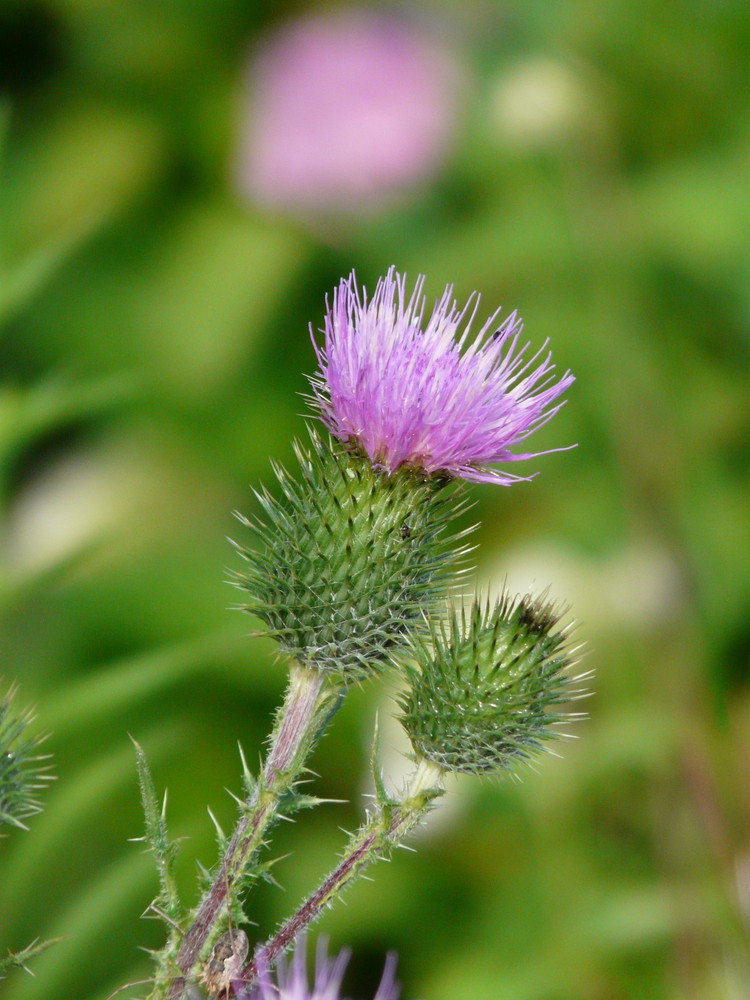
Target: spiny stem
{"points": [[308, 704], [388, 827]]}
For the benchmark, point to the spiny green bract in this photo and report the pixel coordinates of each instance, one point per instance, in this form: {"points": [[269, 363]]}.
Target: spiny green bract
{"points": [[350, 559], [23, 771], [487, 688]]}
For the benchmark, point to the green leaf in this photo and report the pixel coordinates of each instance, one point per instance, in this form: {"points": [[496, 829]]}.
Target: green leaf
{"points": [[157, 838]]}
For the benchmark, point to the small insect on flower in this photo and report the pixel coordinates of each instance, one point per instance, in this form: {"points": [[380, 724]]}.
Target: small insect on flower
{"points": [[430, 395]]}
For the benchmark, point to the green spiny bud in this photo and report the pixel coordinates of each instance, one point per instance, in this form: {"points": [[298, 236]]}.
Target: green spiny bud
{"points": [[23, 772], [488, 687], [350, 559]]}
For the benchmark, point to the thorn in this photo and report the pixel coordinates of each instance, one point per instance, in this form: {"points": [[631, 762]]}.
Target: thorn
{"points": [[216, 824], [275, 861], [166, 917], [121, 989]]}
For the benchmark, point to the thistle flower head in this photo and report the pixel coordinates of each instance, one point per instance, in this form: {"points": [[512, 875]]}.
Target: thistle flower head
{"points": [[291, 978], [487, 691], [424, 394]]}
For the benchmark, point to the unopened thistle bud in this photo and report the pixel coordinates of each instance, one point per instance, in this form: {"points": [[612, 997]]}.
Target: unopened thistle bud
{"points": [[488, 689], [349, 559]]}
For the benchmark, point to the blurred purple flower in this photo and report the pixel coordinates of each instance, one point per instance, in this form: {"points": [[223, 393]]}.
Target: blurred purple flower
{"points": [[346, 110], [423, 397], [291, 978]]}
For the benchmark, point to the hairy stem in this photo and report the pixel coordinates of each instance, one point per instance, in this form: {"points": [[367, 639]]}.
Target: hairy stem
{"points": [[308, 705], [387, 828]]}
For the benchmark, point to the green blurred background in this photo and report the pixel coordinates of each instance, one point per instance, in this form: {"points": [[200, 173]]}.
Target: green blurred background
{"points": [[154, 344]]}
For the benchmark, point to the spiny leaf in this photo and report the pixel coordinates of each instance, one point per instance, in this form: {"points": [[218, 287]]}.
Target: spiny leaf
{"points": [[18, 959], [221, 837], [263, 871], [295, 802], [157, 838], [249, 783]]}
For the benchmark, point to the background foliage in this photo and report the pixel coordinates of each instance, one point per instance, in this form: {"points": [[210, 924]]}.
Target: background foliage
{"points": [[154, 339]]}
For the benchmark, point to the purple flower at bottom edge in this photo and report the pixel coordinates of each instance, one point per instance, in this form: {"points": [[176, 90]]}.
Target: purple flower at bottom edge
{"points": [[291, 978], [426, 395]]}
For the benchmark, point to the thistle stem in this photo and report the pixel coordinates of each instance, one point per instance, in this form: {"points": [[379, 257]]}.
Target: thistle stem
{"points": [[387, 828], [308, 705]]}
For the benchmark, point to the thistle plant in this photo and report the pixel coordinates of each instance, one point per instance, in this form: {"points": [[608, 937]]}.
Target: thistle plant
{"points": [[352, 569]]}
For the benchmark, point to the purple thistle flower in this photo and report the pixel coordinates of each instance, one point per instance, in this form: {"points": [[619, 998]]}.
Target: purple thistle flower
{"points": [[431, 398], [346, 110], [291, 978]]}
